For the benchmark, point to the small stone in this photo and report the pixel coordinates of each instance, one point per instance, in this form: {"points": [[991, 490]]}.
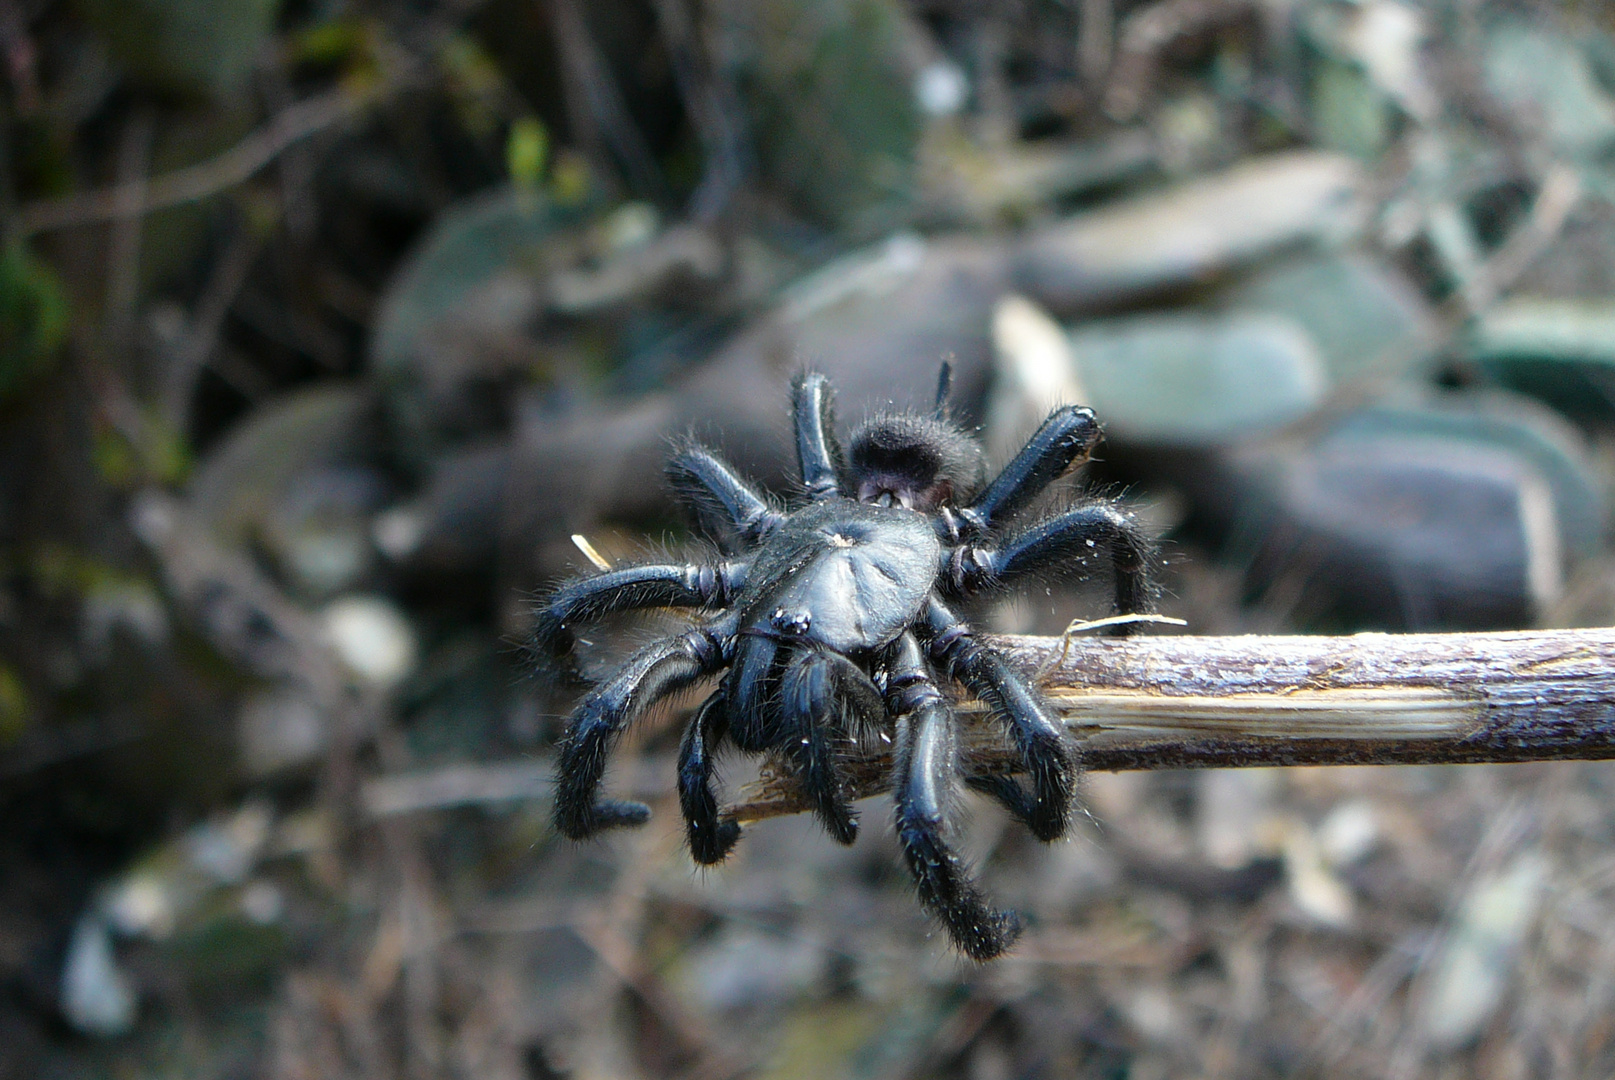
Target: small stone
{"points": [[398, 532], [142, 905], [1518, 425], [941, 88], [745, 968], [441, 344], [279, 730], [1314, 888], [1561, 351], [1349, 833], [1549, 80], [1231, 809], [97, 997], [1195, 380], [1468, 976], [1034, 372], [227, 851], [373, 638], [1191, 232], [263, 903], [1365, 317], [1403, 532]]}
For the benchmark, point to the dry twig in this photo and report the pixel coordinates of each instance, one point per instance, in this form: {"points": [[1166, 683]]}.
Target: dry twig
{"points": [[235, 166], [1369, 699], [1560, 194]]}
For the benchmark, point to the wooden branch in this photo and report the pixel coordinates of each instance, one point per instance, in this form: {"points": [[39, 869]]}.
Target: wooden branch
{"points": [[1369, 699]]}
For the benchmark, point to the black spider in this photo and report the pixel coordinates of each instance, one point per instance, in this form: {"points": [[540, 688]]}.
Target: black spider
{"points": [[835, 622]]}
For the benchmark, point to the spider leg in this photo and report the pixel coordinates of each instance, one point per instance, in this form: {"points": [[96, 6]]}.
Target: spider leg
{"points": [[710, 838], [630, 588], [1064, 441], [816, 686], [925, 771], [723, 503], [1067, 538], [601, 717], [816, 447], [750, 692], [1039, 736]]}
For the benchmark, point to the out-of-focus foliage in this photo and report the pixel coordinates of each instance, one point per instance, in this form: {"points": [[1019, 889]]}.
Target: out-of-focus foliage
{"points": [[833, 104], [33, 317], [196, 45]]}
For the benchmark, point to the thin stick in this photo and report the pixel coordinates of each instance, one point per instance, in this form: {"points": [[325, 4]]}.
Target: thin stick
{"points": [[1368, 699], [236, 165], [1557, 199], [591, 78]]}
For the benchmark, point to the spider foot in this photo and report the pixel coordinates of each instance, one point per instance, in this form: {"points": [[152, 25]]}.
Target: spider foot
{"points": [[981, 931], [711, 843], [837, 816], [582, 822], [1043, 818]]}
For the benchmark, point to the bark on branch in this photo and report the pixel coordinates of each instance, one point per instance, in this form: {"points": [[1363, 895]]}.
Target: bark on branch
{"points": [[1368, 699]]}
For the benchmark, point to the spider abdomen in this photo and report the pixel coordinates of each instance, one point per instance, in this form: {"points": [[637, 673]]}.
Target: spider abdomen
{"points": [[842, 575]]}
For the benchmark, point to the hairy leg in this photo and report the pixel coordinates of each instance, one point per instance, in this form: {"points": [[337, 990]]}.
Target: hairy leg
{"points": [[601, 717], [924, 778], [1039, 735], [1064, 441], [750, 693], [710, 837], [818, 690], [816, 448], [724, 505], [631, 588], [1070, 538]]}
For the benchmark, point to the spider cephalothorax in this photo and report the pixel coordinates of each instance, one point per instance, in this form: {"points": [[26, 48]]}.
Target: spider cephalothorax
{"points": [[833, 619]]}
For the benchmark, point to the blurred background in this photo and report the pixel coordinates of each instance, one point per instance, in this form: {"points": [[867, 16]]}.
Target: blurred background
{"points": [[325, 323]]}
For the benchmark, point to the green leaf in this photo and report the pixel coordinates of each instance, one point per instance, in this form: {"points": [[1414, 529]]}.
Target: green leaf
{"points": [[1348, 113], [33, 317], [14, 707], [526, 148]]}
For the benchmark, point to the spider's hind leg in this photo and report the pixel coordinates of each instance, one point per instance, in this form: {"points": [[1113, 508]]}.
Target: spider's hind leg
{"points": [[1039, 736], [710, 837], [651, 674], [924, 774], [816, 686]]}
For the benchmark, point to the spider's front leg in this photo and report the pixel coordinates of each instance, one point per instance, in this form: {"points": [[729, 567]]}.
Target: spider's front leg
{"points": [[1039, 735], [1063, 442], [724, 505], [651, 674], [631, 588], [711, 838], [818, 453], [1071, 537], [924, 777]]}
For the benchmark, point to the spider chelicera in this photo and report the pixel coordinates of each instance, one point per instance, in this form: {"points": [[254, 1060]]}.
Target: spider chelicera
{"points": [[834, 621]]}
